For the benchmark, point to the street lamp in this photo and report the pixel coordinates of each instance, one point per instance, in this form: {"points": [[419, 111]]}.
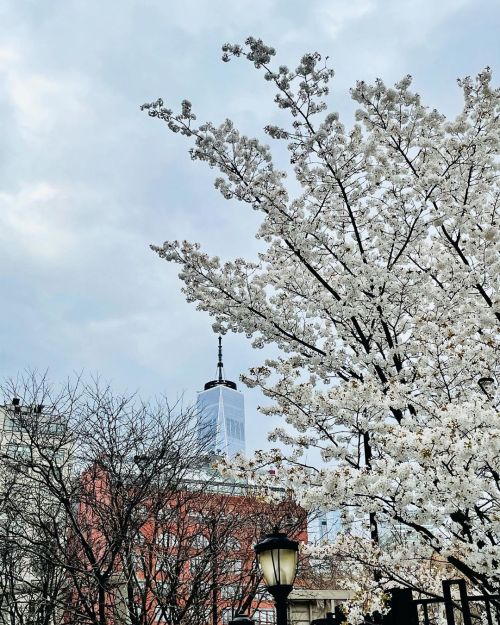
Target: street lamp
{"points": [[277, 556]]}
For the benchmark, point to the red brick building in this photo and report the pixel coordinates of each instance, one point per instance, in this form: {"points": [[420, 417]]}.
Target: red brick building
{"points": [[190, 558]]}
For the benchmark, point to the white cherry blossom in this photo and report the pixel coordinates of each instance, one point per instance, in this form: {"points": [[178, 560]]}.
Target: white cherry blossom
{"points": [[380, 286]]}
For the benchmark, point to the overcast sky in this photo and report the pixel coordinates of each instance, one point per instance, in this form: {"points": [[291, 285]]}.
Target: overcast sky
{"points": [[88, 181]]}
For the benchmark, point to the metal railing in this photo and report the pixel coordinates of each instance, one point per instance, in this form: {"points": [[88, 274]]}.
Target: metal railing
{"points": [[455, 607]]}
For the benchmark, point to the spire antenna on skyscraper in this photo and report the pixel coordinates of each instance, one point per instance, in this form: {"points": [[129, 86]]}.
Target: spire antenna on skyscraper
{"points": [[220, 366], [220, 378]]}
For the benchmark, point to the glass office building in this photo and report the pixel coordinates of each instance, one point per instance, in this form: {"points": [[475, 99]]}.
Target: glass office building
{"points": [[323, 526], [221, 414]]}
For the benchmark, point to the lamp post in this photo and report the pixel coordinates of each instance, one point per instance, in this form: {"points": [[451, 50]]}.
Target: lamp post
{"points": [[277, 556]]}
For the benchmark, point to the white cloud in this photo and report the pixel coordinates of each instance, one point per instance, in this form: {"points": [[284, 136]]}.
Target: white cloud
{"points": [[416, 19], [405, 21], [40, 101], [196, 18], [338, 15], [33, 222], [382, 37], [8, 56]]}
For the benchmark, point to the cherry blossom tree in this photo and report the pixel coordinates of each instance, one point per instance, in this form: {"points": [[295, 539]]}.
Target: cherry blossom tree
{"points": [[379, 287]]}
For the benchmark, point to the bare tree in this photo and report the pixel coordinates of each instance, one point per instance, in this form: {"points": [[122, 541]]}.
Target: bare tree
{"points": [[30, 582], [73, 458], [113, 514], [195, 561]]}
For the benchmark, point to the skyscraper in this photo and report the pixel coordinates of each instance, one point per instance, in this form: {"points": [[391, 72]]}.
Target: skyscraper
{"points": [[221, 414]]}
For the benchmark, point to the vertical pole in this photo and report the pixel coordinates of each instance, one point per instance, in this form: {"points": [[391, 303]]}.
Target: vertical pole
{"points": [[281, 615], [280, 594], [219, 364], [214, 606], [339, 616], [372, 518], [448, 602], [464, 600], [213, 558], [426, 614], [403, 609], [488, 612]]}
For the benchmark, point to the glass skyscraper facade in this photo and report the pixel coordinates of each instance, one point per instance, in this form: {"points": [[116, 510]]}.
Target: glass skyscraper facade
{"points": [[221, 415], [322, 527]]}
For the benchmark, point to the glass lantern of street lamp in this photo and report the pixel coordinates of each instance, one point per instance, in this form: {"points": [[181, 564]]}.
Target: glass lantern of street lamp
{"points": [[277, 556]]}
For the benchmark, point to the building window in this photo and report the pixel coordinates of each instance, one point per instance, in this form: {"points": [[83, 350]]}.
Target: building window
{"points": [[50, 427], [60, 455], [230, 592], [263, 595], [232, 544], [265, 617], [165, 563], [164, 614], [166, 539], [197, 565], [235, 429], [139, 609], [200, 541], [140, 588], [141, 538], [137, 561], [11, 424], [164, 513], [162, 589], [18, 451]]}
